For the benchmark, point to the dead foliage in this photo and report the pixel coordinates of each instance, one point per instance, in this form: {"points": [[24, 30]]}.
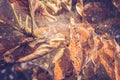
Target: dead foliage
{"points": [[59, 40]]}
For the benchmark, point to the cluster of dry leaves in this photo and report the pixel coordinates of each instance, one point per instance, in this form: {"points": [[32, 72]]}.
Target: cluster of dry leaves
{"points": [[59, 40]]}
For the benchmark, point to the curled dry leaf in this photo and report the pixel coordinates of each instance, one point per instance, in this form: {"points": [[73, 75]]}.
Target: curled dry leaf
{"points": [[39, 52], [44, 48]]}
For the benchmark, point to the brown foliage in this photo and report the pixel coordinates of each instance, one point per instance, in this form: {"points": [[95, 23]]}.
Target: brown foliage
{"points": [[99, 52], [65, 47]]}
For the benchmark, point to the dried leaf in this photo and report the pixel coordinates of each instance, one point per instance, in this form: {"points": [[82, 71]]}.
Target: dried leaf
{"points": [[75, 47], [44, 48], [64, 65], [57, 71], [79, 9], [58, 55]]}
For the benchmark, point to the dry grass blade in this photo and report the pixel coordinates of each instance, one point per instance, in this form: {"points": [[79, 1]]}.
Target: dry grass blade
{"points": [[24, 5], [52, 8], [79, 8]]}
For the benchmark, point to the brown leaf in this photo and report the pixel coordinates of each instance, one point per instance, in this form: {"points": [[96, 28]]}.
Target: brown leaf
{"points": [[79, 35], [63, 66], [44, 48], [58, 71]]}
